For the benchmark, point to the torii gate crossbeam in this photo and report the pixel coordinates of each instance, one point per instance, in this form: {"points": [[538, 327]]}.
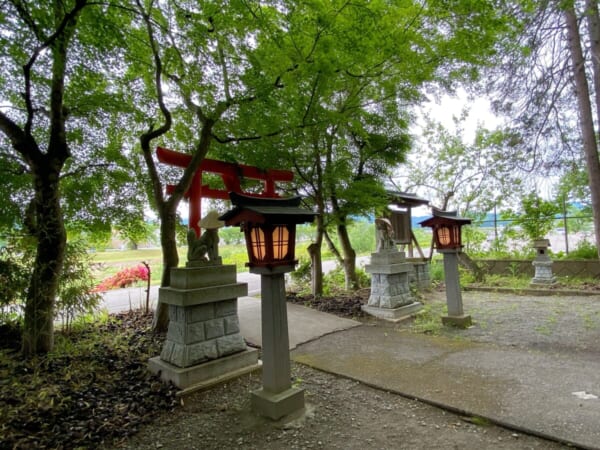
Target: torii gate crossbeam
{"points": [[230, 173]]}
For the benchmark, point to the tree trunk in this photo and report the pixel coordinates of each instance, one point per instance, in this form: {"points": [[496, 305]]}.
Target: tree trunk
{"points": [[593, 20], [586, 121], [316, 260], [168, 243], [38, 326], [349, 258]]}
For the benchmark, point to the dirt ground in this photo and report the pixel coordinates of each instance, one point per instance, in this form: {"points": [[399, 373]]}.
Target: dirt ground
{"points": [[346, 414]]}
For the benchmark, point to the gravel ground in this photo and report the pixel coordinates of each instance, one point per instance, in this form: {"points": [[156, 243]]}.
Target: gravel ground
{"points": [[341, 414], [345, 414], [553, 323]]}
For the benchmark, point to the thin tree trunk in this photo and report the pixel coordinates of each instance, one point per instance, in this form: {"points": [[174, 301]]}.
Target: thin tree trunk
{"points": [[586, 121], [350, 275], [332, 248], [168, 242], [316, 260]]}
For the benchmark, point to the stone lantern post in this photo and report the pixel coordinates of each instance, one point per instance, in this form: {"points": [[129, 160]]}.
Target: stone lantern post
{"points": [[446, 227], [269, 226]]}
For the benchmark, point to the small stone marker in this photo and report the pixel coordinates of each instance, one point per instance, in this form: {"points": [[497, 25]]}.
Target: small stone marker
{"points": [[543, 265]]}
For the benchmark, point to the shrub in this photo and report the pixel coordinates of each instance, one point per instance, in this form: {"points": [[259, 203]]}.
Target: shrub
{"points": [[124, 278], [76, 294], [584, 250], [14, 278]]}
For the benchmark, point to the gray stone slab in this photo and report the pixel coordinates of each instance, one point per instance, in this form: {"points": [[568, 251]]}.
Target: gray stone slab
{"points": [[198, 277], [277, 405], [218, 369], [393, 314], [182, 297]]}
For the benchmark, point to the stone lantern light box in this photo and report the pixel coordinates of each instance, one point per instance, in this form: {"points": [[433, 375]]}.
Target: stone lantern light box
{"points": [[446, 226], [269, 226]]}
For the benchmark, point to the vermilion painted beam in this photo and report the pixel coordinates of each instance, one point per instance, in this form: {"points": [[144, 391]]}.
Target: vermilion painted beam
{"points": [[231, 175]]}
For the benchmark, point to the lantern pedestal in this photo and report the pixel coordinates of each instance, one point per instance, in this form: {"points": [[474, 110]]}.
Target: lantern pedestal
{"points": [[456, 316], [203, 345], [277, 398], [390, 297]]}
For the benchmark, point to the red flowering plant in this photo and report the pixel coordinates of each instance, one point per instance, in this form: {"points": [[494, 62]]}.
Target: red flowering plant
{"points": [[124, 278]]}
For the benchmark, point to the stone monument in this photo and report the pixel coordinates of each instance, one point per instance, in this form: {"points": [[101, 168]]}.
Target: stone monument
{"points": [[390, 297], [203, 344], [543, 264]]}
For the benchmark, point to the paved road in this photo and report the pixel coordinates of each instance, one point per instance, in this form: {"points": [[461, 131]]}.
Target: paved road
{"points": [[119, 300]]}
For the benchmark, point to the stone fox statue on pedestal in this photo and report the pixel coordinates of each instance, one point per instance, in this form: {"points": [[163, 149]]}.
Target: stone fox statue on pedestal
{"points": [[206, 247], [385, 234]]}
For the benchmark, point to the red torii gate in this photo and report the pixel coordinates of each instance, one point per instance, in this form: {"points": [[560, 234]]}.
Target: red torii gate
{"points": [[231, 175]]}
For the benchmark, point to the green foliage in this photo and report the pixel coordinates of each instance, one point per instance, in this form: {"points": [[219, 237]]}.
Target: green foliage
{"points": [[14, 278], [136, 230], [436, 270], [457, 173], [302, 275], [75, 292], [473, 239], [231, 235], [76, 295], [537, 216], [428, 320], [334, 280], [584, 250]]}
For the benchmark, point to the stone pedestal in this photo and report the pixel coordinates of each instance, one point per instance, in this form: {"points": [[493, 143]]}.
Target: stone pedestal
{"points": [[456, 316], [390, 297], [203, 340], [419, 276]]}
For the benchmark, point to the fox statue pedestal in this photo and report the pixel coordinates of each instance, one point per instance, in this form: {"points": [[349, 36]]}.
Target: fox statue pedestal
{"points": [[390, 297], [203, 345]]}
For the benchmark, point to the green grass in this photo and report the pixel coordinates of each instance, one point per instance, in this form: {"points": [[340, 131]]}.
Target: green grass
{"points": [[110, 262]]}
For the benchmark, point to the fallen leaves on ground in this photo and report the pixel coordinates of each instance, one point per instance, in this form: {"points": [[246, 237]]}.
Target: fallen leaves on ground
{"points": [[94, 389]]}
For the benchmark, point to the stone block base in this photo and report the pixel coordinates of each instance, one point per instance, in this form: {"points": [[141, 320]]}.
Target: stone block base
{"points": [[208, 373], [276, 406], [463, 321], [542, 282], [393, 314]]}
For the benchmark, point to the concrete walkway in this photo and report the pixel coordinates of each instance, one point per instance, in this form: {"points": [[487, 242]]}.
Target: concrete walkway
{"points": [[304, 324], [535, 392]]}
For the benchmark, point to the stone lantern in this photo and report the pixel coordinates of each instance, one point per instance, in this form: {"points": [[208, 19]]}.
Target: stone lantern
{"points": [[269, 226], [446, 226], [543, 264]]}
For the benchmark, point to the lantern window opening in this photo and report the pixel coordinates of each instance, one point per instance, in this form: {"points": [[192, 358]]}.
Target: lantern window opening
{"points": [[258, 243], [281, 237]]}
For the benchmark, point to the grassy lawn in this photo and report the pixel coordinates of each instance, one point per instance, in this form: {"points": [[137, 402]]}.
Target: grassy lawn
{"points": [[108, 263]]}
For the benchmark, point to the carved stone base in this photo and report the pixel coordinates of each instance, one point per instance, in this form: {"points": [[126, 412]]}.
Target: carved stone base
{"points": [[543, 272], [463, 321], [277, 405], [389, 279], [207, 374], [393, 314]]}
